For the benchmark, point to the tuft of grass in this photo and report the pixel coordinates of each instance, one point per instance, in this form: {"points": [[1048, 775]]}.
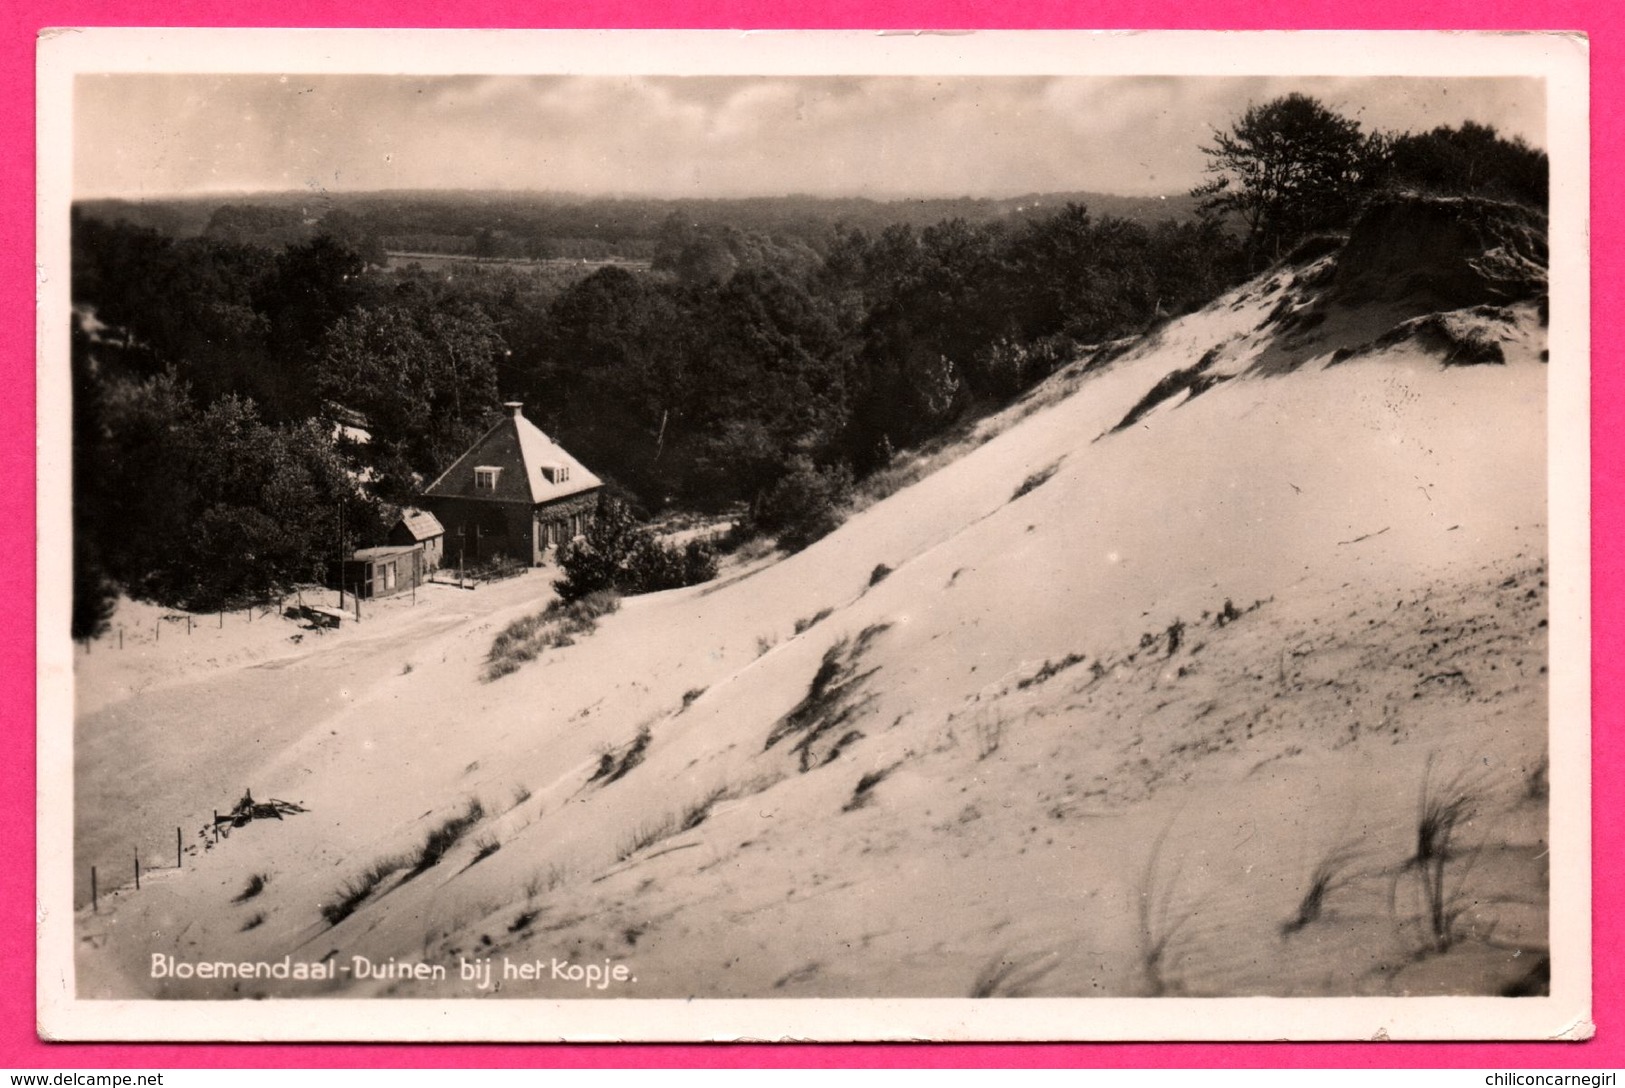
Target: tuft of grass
{"points": [[1536, 788], [353, 892], [697, 813], [256, 884], [1007, 976], [521, 794], [863, 792], [1050, 669], [613, 768], [989, 728], [556, 626], [1445, 810], [1159, 925], [646, 835], [441, 839], [807, 623], [1035, 481], [691, 816], [849, 738], [253, 923], [523, 920], [544, 880], [1330, 874], [831, 700], [484, 846], [691, 696], [879, 574]]}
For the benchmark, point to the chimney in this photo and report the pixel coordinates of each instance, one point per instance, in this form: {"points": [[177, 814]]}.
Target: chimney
{"points": [[514, 407]]}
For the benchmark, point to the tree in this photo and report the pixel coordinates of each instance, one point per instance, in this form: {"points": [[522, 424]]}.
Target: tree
{"points": [[1471, 159], [1286, 168]]}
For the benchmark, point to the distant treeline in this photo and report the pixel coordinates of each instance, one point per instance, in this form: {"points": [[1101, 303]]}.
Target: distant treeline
{"points": [[549, 225], [763, 359]]}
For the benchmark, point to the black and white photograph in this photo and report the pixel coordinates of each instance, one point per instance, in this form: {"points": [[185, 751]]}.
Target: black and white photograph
{"points": [[678, 535]]}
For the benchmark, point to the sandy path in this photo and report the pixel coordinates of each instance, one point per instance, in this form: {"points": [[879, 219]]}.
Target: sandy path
{"points": [[167, 757]]}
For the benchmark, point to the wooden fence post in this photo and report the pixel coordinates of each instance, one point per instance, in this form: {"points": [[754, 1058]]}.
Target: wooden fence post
{"points": [[95, 908], [177, 848], [137, 868]]}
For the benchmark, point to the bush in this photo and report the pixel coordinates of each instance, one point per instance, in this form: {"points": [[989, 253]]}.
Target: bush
{"points": [[616, 554], [806, 503]]}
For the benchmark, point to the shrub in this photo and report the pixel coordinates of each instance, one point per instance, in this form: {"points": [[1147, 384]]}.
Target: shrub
{"points": [[805, 504], [617, 554], [1010, 366]]}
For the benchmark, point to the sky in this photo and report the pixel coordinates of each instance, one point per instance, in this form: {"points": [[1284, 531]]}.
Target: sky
{"points": [[148, 135]]}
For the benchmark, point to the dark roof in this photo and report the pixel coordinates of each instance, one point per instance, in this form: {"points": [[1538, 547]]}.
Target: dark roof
{"points": [[520, 449], [384, 552], [421, 524]]}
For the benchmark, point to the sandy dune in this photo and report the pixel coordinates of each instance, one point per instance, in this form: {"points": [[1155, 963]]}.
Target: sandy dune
{"points": [[1117, 696]]}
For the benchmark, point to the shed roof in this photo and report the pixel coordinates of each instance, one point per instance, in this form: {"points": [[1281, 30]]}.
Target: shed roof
{"points": [[421, 524], [384, 551], [520, 449]]}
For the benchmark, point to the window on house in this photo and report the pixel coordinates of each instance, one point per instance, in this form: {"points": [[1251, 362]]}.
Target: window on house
{"points": [[485, 478], [556, 474]]}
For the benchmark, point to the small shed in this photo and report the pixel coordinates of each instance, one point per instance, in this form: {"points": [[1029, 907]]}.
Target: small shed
{"points": [[381, 572], [421, 528]]}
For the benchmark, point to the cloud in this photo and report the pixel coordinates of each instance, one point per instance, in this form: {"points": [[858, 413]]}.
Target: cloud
{"points": [[710, 136]]}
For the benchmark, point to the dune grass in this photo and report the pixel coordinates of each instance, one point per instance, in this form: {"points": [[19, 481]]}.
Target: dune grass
{"points": [[863, 792], [256, 884], [616, 764], [1330, 874], [1035, 481], [557, 625], [1445, 811], [441, 839], [353, 892], [1159, 924], [807, 623], [1008, 976]]}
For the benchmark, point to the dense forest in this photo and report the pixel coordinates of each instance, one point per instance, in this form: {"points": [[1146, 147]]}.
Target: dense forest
{"points": [[227, 358]]}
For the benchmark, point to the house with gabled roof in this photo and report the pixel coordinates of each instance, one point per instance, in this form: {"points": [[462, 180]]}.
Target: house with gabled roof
{"points": [[515, 493]]}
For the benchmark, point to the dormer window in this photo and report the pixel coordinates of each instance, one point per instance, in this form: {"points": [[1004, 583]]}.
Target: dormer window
{"points": [[556, 474], [485, 478]]}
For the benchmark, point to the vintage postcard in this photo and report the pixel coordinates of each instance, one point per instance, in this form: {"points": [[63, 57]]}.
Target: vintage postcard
{"points": [[834, 536]]}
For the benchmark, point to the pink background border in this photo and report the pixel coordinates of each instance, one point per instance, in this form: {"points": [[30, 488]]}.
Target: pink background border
{"points": [[20, 1048]]}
